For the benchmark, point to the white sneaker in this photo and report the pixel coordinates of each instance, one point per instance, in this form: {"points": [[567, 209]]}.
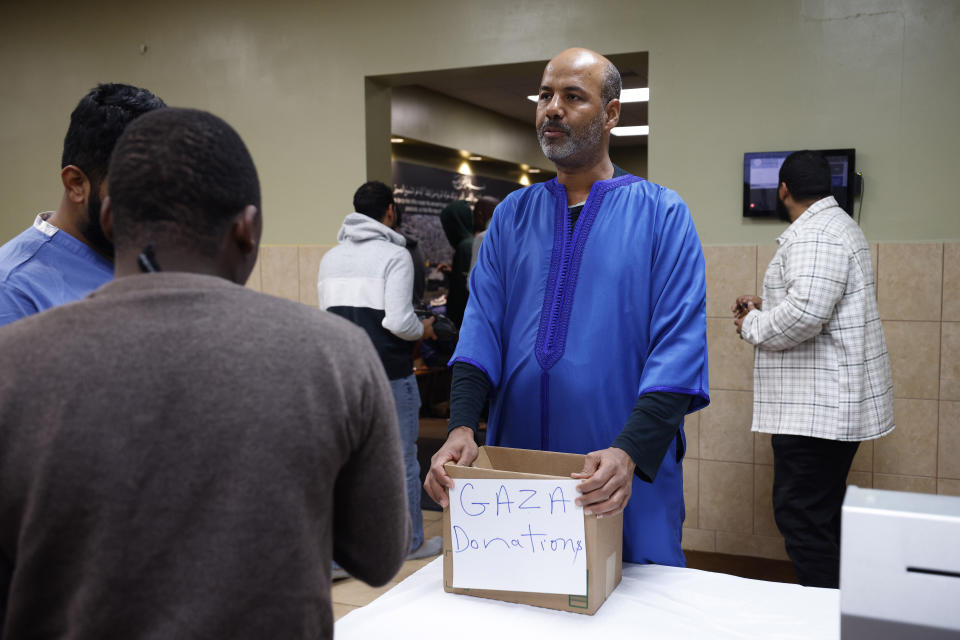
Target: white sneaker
{"points": [[431, 547]]}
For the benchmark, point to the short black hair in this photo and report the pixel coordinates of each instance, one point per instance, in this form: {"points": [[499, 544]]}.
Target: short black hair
{"points": [[179, 174], [806, 174], [97, 122], [611, 84], [372, 199]]}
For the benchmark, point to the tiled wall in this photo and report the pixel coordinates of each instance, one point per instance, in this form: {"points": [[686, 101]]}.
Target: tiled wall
{"points": [[288, 271], [728, 473]]}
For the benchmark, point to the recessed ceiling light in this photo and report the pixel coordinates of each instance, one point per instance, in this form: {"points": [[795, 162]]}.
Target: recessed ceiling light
{"points": [[533, 170], [397, 140], [475, 158], [631, 131], [626, 95]]}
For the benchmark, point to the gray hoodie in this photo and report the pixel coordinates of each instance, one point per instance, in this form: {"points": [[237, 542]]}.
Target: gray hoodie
{"points": [[368, 279]]}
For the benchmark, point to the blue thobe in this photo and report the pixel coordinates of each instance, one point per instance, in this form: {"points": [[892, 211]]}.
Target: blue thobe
{"points": [[571, 328]]}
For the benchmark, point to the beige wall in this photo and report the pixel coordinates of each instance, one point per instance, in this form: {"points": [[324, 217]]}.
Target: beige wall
{"points": [[725, 77]]}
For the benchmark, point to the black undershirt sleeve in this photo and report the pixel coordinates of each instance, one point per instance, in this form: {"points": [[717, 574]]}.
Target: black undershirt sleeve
{"points": [[651, 427], [469, 391]]}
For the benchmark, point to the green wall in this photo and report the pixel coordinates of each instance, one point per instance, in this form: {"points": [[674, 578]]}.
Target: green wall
{"points": [[725, 78]]}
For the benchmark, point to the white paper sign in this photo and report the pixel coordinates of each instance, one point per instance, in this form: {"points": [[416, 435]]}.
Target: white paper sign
{"points": [[518, 535]]}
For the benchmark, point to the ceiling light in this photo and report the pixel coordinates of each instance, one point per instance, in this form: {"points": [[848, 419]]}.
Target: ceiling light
{"points": [[396, 140], [631, 131], [533, 170], [475, 158], [635, 95], [626, 95], [464, 169], [524, 180]]}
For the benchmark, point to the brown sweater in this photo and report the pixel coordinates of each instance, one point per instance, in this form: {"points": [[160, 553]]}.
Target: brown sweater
{"points": [[181, 457]]}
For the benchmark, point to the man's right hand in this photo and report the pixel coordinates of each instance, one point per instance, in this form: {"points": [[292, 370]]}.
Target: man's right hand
{"points": [[428, 332], [461, 448]]}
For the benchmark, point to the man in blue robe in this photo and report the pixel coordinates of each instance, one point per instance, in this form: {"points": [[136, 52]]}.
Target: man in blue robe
{"points": [[586, 323]]}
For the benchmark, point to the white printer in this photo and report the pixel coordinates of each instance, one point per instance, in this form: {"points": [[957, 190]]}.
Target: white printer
{"points": [[899, 566]]}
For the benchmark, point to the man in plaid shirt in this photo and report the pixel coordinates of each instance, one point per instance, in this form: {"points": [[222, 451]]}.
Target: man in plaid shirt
{"points": [[821, 378]]}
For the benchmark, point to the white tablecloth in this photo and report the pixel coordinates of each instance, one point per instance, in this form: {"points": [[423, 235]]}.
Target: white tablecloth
{"points": [[651, 602]]}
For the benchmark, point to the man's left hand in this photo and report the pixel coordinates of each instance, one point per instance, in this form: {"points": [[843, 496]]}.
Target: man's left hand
{"points": [[607, 482]]}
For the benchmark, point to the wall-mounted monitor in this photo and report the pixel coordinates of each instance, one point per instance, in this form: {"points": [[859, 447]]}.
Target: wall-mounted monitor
{"points": [[761, 177]]}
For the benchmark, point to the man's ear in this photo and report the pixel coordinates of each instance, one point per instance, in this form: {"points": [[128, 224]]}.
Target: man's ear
{"points": [[106, 219], [612, 112], [390, 215], [75, 183], [783, 192], [246, 229]]}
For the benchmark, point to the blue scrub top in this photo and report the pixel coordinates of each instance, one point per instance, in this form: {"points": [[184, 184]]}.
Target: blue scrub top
{"points": [[44, 267], [572, 327]]}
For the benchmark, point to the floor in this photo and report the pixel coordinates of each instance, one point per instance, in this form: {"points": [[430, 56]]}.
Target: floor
{"points": [[351, 594]]}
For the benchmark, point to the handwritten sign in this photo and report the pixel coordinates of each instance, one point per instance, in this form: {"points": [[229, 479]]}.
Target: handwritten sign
{"points": [[518, 535]]}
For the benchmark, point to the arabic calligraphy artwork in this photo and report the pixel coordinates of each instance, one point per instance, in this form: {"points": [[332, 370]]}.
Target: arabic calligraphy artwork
{"points": [[424, 192]]}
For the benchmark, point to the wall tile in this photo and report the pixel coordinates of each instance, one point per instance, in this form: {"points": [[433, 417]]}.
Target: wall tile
{"points": [[948, 487], [726, 496], [253, 282], [691, 491], [308, 256], [280, 272], [912, 484], [950, 361], [951, 282], [748, 545], [730, 357], [909, 283], [730, 273], [699, 540], [914, 358], [691, 430], [765, 253], [763, 520], [948, 445], [863, 479], [725, 427], [863, 461], [911, 449], [762, 449]]}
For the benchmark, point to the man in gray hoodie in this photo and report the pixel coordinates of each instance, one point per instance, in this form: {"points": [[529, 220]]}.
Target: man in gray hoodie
{"points": [[368, 279]]}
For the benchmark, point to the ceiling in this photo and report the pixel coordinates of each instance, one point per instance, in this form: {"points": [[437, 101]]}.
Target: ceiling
{"points": [[504, 89]]}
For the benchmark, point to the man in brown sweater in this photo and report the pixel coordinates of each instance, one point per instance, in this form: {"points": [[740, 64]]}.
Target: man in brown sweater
{"points": [[182, 457]]}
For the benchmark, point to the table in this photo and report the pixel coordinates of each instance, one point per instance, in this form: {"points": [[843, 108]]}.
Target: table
{"points": [[651, 602]]}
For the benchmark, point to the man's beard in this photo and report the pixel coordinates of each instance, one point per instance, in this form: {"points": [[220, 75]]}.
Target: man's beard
{"points": [[93, 232], [575, 144], [781, 210]]}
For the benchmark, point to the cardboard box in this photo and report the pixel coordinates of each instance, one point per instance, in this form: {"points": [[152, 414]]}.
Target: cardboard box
{"points": [[604, 536]]}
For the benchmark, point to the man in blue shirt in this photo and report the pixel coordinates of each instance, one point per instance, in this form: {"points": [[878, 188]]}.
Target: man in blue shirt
{"points": [[65, 255], [586, 322]]}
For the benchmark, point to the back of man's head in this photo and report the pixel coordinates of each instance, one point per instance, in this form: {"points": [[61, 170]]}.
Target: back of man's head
{"points": [[179, 176], [372, 199], [807, 175], [97, 122]]}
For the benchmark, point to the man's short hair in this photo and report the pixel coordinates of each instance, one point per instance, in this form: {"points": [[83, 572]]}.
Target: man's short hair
{"points": [[806, 174], [372, 199], [611, 84], [180, 175], [97, 122]]}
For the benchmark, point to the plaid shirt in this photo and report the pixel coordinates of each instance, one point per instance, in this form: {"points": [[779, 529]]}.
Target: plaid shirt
{"points": [[821, 367]]}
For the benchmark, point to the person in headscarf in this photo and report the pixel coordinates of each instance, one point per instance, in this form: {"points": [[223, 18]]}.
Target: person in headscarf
{"points": [[457, 221]]}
